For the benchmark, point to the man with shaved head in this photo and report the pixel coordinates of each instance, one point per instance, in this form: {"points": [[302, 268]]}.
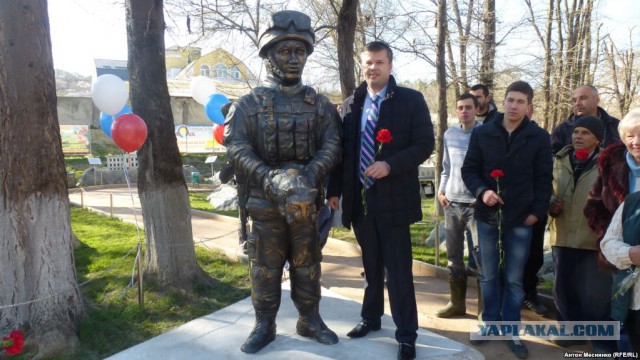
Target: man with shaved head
{"points": [[585, 102]]}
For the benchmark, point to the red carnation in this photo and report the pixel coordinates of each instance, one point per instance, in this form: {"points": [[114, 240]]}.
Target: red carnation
{"points": [[13, 344], [497, 173], [582, 154], [384, 136]]}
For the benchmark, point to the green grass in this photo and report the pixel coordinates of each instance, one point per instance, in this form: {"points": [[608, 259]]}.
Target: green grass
{"points": [[114, 320]]}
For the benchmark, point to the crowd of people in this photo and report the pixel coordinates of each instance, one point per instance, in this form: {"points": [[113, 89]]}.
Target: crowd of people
{"points": [[513, 176], [503, 177]]}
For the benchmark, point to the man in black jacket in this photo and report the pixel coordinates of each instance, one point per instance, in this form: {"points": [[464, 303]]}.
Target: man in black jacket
{"points": [[508, 167], [387, 178], [585, 102]]}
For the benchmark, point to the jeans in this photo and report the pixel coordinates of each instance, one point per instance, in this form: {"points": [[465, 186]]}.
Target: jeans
{"points": [[502, 303], [458, 218]]}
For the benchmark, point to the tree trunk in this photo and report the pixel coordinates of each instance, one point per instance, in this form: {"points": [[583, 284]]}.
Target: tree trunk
{"points": [[170, 257], [463, 36], [458, 87], [488, 44], [347, 20], [441, 75], [548, 65], [38, 286]]}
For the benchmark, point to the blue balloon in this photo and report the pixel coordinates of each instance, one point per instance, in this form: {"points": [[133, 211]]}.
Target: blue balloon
{"points": [[213, 108], [106, 121]]}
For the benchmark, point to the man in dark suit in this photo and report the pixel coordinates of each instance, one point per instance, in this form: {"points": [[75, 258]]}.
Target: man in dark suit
{"points": [[386, 175]]}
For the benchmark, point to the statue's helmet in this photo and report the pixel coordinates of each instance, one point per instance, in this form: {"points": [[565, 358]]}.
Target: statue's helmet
{"points": [[287, 25]]}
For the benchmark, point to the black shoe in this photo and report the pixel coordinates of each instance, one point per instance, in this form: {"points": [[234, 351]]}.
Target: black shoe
{"points": [[407, 351], [478, 342], [362, 330], [517, 348], [533, 304]]}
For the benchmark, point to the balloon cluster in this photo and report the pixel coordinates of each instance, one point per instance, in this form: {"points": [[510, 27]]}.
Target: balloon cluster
{"points": [[203, 90], [110, 95]]}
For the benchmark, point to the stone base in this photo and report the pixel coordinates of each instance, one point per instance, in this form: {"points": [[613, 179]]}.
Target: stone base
{"points": [[219, 336]]}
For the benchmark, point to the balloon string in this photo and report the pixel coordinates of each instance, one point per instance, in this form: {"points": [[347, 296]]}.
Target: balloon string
{"points": [[133, 204]]}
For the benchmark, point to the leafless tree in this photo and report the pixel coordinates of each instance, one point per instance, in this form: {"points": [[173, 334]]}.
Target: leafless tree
{"points": [[38, 286], [625, 73], [571, 48], [170, 257], [487, 67], [347, 20], [442, 86], [464, 33]]}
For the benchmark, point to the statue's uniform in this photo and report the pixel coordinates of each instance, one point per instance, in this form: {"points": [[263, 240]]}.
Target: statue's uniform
{"points": [[269, 129]]}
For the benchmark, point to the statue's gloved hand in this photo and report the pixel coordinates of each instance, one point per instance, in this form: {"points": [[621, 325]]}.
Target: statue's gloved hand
{"points": [[314, 181], [270, 185]]}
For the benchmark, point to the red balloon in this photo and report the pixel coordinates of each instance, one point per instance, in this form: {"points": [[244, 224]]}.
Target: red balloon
{"points": [[129, 132], [218, 134]]}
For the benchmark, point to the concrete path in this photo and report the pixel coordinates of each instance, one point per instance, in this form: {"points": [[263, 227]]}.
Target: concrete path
{"points": [[342, 295]]}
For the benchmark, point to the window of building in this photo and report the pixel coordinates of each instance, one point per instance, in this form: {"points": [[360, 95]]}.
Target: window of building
{"points": [[235, 73], [221, 71], [204, 70]]}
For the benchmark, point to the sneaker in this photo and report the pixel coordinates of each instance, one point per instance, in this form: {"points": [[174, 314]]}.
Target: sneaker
{"points": [[517, 348], [536, 306]]}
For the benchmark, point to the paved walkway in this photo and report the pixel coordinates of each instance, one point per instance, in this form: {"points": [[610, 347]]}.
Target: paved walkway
{"points": [[341, 270]]}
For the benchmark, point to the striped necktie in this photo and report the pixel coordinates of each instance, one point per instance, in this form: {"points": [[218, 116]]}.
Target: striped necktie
{"points": [[367, 148]]}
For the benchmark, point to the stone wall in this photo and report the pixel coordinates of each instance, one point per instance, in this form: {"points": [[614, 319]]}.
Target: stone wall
{"points": [[78, 110]]}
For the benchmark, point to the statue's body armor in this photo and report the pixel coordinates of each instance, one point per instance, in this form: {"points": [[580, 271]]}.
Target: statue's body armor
{"points": [[288, 126]]}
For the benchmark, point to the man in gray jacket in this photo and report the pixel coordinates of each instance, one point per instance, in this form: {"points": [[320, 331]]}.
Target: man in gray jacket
{"points": [[457, 201]]}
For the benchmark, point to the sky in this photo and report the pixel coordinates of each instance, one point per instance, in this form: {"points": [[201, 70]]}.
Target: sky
{"points": [[82, 31]]}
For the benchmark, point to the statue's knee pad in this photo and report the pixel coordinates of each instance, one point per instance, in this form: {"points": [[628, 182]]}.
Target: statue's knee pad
{"points": [[306, 273], [262, 275]]}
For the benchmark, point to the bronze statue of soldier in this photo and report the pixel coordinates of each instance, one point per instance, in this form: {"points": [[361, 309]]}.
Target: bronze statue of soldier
{"points": [[284, 138]]}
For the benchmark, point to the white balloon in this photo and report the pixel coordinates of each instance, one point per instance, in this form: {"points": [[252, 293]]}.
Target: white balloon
{"points": [[202, 88], [109, 93]]}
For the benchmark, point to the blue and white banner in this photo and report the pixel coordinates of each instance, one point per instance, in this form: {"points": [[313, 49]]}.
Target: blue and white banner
{"points": [[560, 330]]}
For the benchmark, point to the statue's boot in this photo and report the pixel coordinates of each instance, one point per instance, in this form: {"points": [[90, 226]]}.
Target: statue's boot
{"points": [[305, 293], [265, 295], [264, 332], [457, 304]]}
